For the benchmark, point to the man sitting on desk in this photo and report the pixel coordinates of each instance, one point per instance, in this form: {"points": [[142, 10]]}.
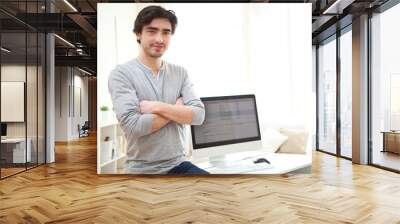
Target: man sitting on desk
{"points": [[154, 99]]}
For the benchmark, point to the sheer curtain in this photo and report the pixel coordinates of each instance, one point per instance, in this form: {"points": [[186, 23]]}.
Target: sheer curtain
{"points": [[256, 48]]}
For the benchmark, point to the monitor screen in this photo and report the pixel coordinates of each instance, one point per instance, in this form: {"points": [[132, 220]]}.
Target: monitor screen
{"points": [[228, 120], [3, 129]]}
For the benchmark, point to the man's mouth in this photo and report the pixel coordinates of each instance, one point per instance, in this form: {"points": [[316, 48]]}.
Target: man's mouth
{"points": [[158, 46]]}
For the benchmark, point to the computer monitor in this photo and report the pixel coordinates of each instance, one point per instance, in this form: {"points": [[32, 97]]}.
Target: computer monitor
{"points": [[230, 125], [3, 129]]}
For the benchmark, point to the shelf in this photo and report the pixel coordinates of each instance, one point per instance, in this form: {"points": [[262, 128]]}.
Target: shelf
{"points": [[113, 160], [111, 142]]}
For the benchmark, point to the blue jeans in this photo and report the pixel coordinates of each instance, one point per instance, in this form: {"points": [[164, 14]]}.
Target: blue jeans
{"points": [[187, 168]]}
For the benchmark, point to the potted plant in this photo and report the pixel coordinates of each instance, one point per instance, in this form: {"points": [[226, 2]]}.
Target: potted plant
{"points": [[104, 108]]}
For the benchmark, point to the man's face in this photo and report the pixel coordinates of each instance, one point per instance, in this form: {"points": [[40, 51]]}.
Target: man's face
{"points": [[155, 37]]}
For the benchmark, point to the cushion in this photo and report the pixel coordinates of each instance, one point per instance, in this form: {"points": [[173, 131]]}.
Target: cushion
{"points": [[296, 142], [272, 139]]}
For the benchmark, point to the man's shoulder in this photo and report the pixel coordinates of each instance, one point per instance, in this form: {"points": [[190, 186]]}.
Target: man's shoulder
{"points": [[128, 65], [124, 68], [176, 68]]}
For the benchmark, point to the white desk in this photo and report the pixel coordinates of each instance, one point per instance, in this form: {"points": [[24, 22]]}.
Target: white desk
{"points": [[18, 149], [242, 163]]}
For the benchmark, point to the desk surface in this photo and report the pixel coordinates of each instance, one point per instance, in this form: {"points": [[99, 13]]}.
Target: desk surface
{"points": [[391, 132], [242, 163], [13, 140]]}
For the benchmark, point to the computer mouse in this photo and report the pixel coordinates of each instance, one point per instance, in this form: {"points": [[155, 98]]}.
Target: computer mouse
{"points": [[262, 160]]}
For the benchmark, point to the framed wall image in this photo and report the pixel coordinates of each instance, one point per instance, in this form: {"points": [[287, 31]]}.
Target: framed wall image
{"points": [[249, 52], [12, 101]]}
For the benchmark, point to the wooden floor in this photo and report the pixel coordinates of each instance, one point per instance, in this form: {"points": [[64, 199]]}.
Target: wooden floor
{"points": [[70, 191], [10, 171]]}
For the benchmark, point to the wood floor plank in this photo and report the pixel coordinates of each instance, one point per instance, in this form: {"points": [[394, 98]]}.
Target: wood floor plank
{"points": [[70, 191]]}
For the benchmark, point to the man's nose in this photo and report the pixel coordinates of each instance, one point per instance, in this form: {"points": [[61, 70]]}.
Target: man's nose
{"points": [[159, 38]]}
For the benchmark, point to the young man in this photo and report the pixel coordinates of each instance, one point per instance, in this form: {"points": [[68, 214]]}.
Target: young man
{"points": [[153, 100]]}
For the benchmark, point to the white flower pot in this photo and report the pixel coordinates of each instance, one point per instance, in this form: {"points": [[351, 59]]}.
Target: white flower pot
{"points": [[104, 115], [106, 150]]}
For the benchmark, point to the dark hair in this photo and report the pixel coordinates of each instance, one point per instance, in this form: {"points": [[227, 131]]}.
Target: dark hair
{"points": [[149, 13]]}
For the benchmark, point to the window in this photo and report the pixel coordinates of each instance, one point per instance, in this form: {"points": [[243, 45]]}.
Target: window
{"points": [[385, 86], [327, 96], [346, 93]]}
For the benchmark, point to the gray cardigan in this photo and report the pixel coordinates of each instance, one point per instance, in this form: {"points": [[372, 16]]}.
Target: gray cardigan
{"points": [[160, 151]]}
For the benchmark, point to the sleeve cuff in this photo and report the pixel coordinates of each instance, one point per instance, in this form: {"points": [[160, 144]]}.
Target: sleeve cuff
{"points": [[198, 115]]}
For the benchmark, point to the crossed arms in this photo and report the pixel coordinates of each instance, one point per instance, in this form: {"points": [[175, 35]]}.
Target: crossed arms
{"points": [[145, 117], [164, 113]]}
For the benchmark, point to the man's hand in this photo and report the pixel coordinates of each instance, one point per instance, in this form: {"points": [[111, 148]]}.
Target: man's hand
{"points": [[179, 101], [147, 107]]}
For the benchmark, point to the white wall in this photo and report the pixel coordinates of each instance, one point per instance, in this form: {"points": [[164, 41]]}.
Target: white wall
{"points": [[67, 80], [263, 49], [80, 83], [61, 103]]}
